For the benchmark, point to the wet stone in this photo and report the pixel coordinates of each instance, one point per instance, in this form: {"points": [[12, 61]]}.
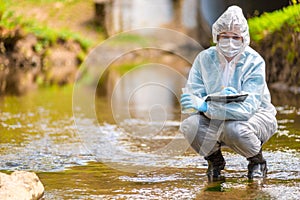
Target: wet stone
{"points": [[20, 185]]}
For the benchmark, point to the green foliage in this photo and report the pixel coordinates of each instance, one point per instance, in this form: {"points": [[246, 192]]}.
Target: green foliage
{"points": [[2, 8], [46, 34], [52, 35], [6, 19], [267, 23], [39, 46]]}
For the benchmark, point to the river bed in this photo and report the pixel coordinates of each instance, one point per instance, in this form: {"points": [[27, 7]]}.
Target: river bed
{"points": [[38, 134]]}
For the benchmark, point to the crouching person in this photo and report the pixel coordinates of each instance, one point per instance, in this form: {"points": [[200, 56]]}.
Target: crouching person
{"points": [[229, 68]]}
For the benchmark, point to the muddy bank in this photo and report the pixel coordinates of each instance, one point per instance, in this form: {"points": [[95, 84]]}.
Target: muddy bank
{"points": [[27, 61], [281, 52]]}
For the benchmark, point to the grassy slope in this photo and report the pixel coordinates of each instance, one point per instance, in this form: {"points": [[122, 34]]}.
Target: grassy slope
{"points": [[268, 23], [276, 37], [53, 18]]}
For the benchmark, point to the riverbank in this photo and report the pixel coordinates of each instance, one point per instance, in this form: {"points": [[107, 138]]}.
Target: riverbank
{"points": [[276, 36], [47, 45], [44, 46], [27, 64]]}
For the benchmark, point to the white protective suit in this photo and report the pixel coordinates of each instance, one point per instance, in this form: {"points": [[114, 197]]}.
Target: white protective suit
{"points": [[243, 126]]}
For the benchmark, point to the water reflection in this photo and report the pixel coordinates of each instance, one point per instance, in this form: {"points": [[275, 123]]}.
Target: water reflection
{"points": [[149, 92], [96, 181]]}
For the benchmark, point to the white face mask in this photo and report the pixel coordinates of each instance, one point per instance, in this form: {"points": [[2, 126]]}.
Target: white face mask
{"points": [[230, 47]]}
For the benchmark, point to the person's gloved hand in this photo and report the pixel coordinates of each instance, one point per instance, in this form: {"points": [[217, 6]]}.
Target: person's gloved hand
{"points": [[192, 101], [229, 90]]}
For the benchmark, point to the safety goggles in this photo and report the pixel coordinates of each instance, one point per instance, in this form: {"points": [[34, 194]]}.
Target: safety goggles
{"points": [[226, 36]]}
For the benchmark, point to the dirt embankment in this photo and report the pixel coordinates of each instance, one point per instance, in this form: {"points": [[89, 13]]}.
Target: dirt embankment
{"points": [[25, 63], [281, 51]]}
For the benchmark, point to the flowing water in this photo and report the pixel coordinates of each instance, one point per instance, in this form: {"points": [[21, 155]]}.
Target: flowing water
{"points": [[137, 153], [118, 162]]}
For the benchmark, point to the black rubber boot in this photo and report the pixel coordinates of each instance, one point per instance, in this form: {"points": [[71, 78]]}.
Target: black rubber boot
{"points": [[216, 163], [257, 167]]}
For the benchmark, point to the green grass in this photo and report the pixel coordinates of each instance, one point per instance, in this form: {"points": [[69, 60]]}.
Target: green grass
{"points": [[48, 35], [268, 23]]}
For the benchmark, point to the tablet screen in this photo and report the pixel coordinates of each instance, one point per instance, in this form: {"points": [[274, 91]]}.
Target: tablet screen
{"points": [[227, 98]]}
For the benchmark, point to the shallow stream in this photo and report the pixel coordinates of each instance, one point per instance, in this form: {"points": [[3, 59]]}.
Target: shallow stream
{"points": [[38, 134]]}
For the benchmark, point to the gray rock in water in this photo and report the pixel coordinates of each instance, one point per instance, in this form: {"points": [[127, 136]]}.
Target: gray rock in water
{"points": [[20, 185]]}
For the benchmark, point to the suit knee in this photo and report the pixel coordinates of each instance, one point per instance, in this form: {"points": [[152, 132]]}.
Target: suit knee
{"points": [[240, 137], [235, 131], [189, 127]]}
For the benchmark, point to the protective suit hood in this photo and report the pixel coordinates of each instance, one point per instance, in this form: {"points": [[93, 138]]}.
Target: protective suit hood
{"points": [[232, 20]]}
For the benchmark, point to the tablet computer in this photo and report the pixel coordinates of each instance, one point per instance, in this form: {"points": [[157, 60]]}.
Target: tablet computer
{"points": [[227, 98]]}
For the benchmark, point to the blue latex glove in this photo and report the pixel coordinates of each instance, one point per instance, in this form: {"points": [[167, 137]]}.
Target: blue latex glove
{"points": [[229, 90], [192, 101]]}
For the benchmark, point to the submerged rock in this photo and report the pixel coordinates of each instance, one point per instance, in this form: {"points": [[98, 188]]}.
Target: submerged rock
{"points": [[20, 185]]}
